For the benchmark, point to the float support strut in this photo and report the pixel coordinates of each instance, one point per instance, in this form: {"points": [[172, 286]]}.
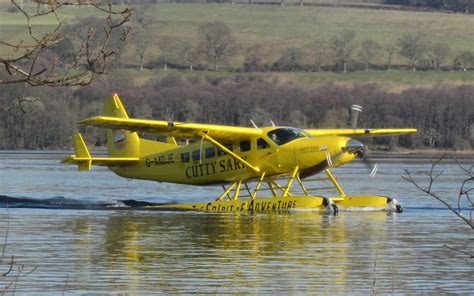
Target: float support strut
{"points": [[334, 181], [290, 181], [226, 192], [301, 184], [257, 188], [229, 152], [237, 190]]}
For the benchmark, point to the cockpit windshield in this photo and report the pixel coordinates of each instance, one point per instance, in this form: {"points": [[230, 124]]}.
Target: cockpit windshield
{"points": [[285, 135]]}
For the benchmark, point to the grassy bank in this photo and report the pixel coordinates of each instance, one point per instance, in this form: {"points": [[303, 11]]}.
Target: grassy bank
{"points": [[276, 28], [281, 27]]}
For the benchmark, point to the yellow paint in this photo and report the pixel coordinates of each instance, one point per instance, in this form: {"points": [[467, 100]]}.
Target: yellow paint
{"points": [[255, 205], [264, 204], [222, 154], [362, 201]]}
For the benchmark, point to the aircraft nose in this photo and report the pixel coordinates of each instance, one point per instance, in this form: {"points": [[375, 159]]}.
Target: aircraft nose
{"points": [[353, 146]]}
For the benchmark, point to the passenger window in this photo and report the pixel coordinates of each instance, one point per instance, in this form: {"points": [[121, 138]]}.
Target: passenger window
{"points": [[196, 155], [221, 152], [244, 146], [262, 144], [185, 157], [210, 152]]}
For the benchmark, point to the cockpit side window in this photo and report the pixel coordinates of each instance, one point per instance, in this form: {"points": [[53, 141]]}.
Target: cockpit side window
{"points": [[262, 144], [285, 135]]}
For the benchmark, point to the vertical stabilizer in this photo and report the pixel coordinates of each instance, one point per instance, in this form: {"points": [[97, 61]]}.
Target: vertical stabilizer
{"points": [[82, 152], [121, 143], [82, 157]]}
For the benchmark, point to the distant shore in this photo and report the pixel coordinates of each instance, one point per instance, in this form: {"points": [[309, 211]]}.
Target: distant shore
{"points": [[423, 153]]}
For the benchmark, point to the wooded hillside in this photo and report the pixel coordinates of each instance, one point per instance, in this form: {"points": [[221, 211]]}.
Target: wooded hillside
{"points": [[227, 64], [443, 115]]}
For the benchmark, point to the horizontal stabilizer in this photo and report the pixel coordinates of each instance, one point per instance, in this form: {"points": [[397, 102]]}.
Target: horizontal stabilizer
{"points": [[84, 160]]}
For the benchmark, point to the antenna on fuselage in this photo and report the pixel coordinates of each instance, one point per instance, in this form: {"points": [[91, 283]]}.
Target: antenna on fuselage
{"points": [[355, 110], [271, 121], [253, 123]]}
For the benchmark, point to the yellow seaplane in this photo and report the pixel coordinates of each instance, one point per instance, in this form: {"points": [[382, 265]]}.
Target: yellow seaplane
{"points": [[260, 169]]}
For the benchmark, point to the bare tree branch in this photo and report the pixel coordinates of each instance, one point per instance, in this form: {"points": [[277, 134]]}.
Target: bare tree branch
{"points": [[4, 247], [27, 62], [12, 265], [465, 189], [460, 251], [10, 268], [374, 282]]}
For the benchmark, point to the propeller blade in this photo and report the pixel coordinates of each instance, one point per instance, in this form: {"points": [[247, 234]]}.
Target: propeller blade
{"points": [[355, 110], [328, 159], [374, 170], [373, 167]]}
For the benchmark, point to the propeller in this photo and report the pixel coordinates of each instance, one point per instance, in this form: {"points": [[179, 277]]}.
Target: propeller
{"points": [[357, 147], [362, 155], [352, 146]]}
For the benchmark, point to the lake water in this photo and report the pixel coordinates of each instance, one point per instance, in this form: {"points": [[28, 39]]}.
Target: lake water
{"points": [[297, 252]]}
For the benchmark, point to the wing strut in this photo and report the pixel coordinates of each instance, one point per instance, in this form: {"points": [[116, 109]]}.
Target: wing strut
{"points": [[226, 150]]}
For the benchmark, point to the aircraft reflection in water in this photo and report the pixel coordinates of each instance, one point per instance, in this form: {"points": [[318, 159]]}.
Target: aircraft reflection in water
{"points": [[184, 252], [273, 159]]}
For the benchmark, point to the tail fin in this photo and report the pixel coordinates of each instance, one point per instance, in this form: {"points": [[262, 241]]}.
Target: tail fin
{"points": [[121, 143], [82, 157], [125, 147]]}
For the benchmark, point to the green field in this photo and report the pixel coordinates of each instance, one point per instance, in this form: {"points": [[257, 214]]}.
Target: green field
{"points": [[276, 28], [299, 25]]}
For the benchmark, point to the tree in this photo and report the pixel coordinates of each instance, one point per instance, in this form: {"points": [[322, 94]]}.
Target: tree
{"points": [[253, 58], [318, 50], [412, 46], [142, 47], [369, 49], [38, 59], [439, 52], [391, 49], [464, 60], [169, 47], [290, 60], [343, 46], [91, 28], [141, 36], [187, 53], [216, 42], [336, 117]]}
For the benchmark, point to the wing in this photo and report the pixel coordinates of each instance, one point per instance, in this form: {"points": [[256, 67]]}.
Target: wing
{"points": [[174, 129], [372, 132]]}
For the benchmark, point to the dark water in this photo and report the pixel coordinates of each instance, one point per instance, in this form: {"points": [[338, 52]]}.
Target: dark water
{"points": [[140, 252]]}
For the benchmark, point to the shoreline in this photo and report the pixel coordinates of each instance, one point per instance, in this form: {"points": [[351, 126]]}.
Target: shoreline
{"points": [[405, 153]]}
